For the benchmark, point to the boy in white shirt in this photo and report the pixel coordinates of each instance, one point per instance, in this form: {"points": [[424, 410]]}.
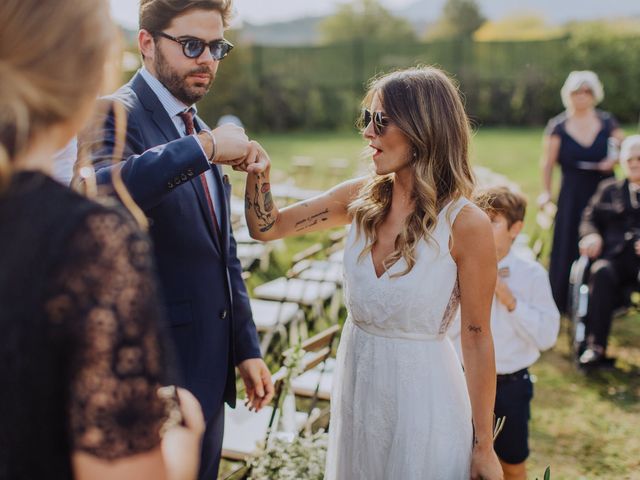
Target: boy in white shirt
{"points": [[524, 321]]}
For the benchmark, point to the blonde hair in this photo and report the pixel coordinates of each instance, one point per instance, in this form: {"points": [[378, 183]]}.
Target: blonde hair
{"points": [[578, 79], [52, 57], [427, 107]]}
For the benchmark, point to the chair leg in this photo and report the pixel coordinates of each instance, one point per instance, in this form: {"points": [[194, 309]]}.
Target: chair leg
{"points": [[265, 259], [334, 306], [295, 328], [266, 341]]}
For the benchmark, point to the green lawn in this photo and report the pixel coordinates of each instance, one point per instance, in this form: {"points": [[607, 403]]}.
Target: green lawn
{"points": [[584, 427], [514, 153]]}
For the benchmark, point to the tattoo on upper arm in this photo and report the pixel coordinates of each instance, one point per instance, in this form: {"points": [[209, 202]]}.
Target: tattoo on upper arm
{"points": [[474, 328], [312, 220], [262, 203]]}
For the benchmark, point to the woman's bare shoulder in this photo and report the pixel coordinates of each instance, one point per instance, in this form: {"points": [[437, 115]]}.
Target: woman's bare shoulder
{"points": [[471, 231], [348, 190], [471, 219]]}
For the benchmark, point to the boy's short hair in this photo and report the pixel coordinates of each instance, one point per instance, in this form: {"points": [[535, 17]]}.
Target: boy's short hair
{"points": [[502, 201]]}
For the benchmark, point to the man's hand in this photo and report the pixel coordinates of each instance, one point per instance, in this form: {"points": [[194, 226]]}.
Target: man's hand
{"points": [[591, 245], [257, 382], [504, 295], [232, 144]]}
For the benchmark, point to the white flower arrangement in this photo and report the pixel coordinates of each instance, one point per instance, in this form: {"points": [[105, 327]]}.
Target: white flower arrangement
{"points": [[302, 459], [288, 456]]}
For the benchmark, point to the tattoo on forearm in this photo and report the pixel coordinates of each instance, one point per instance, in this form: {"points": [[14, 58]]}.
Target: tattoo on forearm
{"points": [[474, 329], [262, 203], [267, 197], [312, 220]]}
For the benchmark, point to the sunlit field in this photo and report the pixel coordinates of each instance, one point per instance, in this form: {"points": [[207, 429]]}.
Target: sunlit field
{"points": [[584, 427]]}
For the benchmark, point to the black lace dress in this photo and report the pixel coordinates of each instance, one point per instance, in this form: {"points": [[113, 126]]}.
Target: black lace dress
{"points": [[82, 348]]}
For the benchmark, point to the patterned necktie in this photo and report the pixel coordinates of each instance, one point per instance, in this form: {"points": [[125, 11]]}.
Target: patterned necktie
{"points": [[187, 118]]}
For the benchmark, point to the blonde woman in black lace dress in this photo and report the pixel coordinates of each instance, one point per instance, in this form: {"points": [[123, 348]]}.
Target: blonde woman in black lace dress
{"points": [[81, 356]]}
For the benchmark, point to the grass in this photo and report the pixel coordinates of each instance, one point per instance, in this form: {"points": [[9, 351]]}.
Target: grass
{"points": [[514, 153], [584, 427]]}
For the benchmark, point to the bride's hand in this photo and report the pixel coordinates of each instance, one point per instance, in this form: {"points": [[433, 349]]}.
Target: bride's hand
{"points": [[485, 464], [256, 161]]}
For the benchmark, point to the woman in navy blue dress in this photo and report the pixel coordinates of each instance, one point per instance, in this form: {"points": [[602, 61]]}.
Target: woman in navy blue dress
{"points": [[577, 140]]}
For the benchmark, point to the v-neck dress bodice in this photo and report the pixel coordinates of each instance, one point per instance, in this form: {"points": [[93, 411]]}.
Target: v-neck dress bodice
{"points": [[400, 406]]}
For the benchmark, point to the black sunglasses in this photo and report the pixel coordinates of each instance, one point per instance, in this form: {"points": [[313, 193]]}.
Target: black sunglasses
{"points": [[193, 47], [380, 122]]}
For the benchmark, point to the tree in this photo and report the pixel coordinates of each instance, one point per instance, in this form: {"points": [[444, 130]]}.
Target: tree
{"points": [[460, 19], [518, 27], [365, 20]]}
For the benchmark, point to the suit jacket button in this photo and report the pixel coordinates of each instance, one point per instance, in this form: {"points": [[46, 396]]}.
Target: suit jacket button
{"points": [[184, 177], [223, 314], [170, 185], [190, 172], [176, 180]]}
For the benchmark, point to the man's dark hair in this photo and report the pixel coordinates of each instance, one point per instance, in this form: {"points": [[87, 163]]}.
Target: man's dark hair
{"points": [[156, 15]]}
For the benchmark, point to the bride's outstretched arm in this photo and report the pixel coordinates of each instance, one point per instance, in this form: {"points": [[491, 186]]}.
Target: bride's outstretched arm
{"points": [[475, 255], [267, 222]]}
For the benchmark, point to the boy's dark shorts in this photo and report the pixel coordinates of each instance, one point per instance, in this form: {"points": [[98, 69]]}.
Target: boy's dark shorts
{"points": [[513, 398]]}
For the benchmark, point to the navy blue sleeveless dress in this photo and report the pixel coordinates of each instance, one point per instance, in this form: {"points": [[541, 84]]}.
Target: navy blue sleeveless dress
{"points": [[579, 183]]}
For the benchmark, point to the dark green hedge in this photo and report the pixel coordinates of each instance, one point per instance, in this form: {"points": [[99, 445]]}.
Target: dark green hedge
{"points": [[507, 83]]}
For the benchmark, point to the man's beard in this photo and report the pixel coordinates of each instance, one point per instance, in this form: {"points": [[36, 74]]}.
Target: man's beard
{"points": [[177, 84]]}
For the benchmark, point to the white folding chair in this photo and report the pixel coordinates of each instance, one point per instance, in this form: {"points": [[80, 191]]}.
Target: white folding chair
{"points": [[273, 317], [245, 431]]}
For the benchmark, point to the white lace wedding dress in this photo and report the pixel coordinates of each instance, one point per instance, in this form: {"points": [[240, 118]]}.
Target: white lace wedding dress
{"points": [[400, 407]]}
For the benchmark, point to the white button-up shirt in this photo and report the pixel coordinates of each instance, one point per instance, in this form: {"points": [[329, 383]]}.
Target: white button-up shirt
{"points": [[519, 336], [174, 108]]}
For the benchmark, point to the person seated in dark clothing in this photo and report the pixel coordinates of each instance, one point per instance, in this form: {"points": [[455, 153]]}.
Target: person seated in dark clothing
{"points": [[610, 235]]}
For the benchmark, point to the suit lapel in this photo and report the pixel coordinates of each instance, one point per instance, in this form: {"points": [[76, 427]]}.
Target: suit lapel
{"points": [[151, 103]]}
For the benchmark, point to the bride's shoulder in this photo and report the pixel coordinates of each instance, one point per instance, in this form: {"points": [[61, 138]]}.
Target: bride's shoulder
{"points": [[471, 227], [349, 189]]}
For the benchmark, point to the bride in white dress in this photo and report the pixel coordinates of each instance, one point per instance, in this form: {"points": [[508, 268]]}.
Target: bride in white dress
{"points": [[401, 406]]}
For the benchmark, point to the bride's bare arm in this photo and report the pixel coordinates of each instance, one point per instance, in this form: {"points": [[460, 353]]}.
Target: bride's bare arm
{"points": [[474, 252], [267, 222]]}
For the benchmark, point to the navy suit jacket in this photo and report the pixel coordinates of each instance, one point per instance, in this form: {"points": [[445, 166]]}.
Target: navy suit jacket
{"points": [[206, 299]]}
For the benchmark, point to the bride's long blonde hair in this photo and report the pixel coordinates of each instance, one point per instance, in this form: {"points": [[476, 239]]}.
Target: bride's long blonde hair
{"points": [[427, 107]]}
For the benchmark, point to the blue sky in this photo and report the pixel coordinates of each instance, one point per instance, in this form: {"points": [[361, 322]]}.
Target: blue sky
{"points": [[254, 11]]}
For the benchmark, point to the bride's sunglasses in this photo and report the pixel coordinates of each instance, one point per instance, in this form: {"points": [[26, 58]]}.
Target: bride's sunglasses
{"points": [[380, 122], [193, 47]]}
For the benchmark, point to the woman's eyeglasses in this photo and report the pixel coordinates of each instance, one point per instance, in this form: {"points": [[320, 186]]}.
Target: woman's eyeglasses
{"points": [[193, 47], [380, 122]]}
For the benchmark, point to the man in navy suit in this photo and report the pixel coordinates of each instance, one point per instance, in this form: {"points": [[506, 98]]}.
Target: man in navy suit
{"points": [[172, 169]]}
